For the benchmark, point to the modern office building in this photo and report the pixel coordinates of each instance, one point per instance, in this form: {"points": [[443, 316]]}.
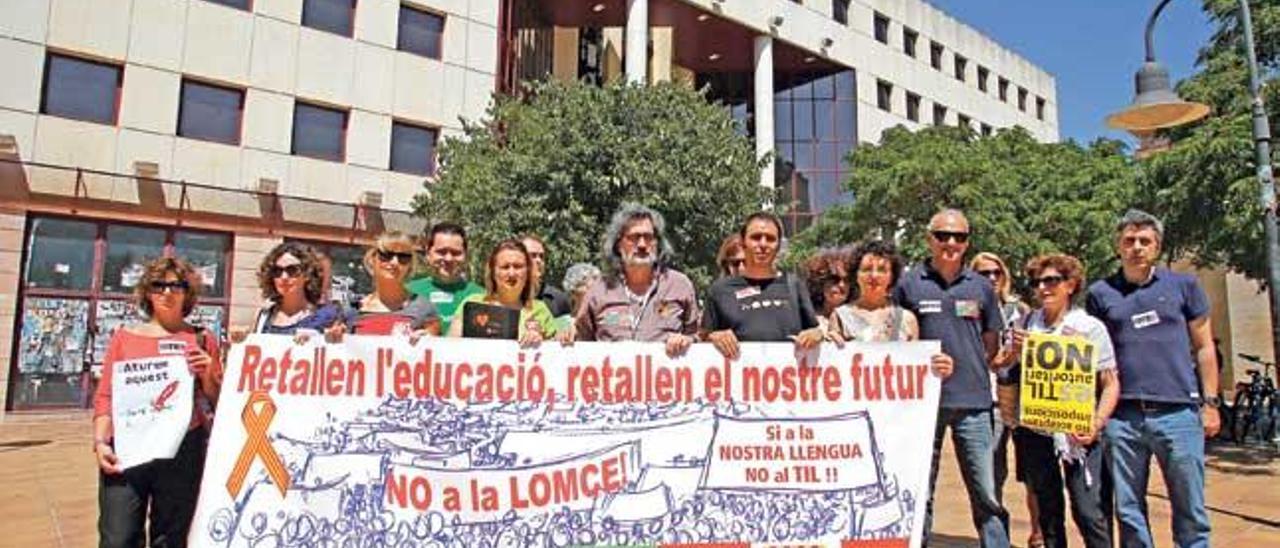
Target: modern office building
{"points": [[214, 129]]}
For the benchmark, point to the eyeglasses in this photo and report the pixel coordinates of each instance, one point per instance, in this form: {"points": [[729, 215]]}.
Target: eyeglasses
{"points": [[1048, 281], [637, 237], [992, 274], [403, 257], [293, 271], [944, 235], [159, 287]]}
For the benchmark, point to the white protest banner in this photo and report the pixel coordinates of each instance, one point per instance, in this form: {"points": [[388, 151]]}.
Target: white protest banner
{"points": [[151, 404], [481, 442]]}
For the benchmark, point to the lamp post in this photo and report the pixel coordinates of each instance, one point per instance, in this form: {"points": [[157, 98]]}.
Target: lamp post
{"points": [[1156, 106]]}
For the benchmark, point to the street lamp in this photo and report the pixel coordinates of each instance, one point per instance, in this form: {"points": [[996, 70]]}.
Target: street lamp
{"points": [[1156, 106]]}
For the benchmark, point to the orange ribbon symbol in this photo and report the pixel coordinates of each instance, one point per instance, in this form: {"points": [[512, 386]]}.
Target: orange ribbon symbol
{"points": [[257, 415]]}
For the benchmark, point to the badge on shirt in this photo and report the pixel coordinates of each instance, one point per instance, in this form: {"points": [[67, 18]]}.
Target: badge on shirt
{"points": [[669, 309], [967, 309], [615, 318], [1145, 319], [441, 297], [930, 307], [746, 292], [172, 347]]}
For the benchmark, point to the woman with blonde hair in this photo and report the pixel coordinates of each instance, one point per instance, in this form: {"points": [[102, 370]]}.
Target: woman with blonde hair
{"points": [[508, 283], [391, 309]]}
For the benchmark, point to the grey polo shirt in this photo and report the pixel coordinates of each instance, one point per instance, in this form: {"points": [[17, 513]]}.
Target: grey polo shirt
{"points": [[956, 314], [609, 313]]}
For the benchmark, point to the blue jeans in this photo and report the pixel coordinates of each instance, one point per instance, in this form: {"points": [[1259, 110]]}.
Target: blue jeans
{"points": [[973, 440], [1175, 435]]}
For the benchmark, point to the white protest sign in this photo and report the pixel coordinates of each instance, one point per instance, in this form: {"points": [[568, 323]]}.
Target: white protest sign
{"points": [[151, 404]]}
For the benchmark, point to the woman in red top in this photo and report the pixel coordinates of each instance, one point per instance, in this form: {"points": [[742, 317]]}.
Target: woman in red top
{"points": [[166, 294]]}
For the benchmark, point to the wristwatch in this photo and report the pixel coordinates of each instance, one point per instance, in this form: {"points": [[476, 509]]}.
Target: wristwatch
{"points": [[1212, 401]]}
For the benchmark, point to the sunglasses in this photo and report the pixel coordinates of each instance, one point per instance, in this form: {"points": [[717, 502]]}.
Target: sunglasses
{"points": [[944, 235], [160, 287], [293, 271], [403, 257], [992, 274], [735, 262], [1048, 281]]}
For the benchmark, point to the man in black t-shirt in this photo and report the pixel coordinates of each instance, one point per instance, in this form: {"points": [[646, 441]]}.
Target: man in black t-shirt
{"points": [[760, 304]]}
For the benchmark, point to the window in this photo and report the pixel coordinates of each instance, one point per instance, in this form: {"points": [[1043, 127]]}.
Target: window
{"points": [[840, 11], [57, 254], [909, 38], [882, 28], [421, 32], [913, 107], [1004, 89], [962, 64], [319, 132], [983, 76], [210, 113], [413, 149], [129, 249], [1040, 108], [884, 95], [986, 130], [935, 55], [939, 115], [246, 5], [336, 16], [1022, 99], [962, 120], [80, 89]]}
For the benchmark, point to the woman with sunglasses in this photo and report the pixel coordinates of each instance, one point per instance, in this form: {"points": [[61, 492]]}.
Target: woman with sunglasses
{"points": [[1012, 309], [391, 309], [507, 284], [291, 278], [163, 491], [827, 277], [1044, 458], [731, 256]]}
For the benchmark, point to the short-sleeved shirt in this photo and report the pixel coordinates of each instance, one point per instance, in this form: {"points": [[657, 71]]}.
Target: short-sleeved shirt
{"points": [[1077, 323], [446, 297], [1148, 324], [535, 314], [411, 317], [768, 310], [557, 301], [955, 314], [609, 312], [319, 320]]}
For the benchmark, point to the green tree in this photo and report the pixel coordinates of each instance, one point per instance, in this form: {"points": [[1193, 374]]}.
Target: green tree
{"points": [[1022, 197], [1205, 185], [560, 161]]}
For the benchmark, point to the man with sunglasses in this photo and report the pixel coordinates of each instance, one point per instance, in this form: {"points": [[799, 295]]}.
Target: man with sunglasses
{"points": [[958, 307], [447, 285], [640, 297], [1159, 322]]}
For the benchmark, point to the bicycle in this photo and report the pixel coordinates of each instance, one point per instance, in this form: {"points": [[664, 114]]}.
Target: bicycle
{"points": [[1255, 402]]}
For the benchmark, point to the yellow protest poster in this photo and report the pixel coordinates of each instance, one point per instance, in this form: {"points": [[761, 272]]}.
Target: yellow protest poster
{"points": [[1058, 383]]}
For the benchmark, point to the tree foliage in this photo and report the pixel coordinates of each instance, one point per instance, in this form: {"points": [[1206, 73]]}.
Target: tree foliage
{"points": [[1205, 185], [1022, 197], [560, 161]]}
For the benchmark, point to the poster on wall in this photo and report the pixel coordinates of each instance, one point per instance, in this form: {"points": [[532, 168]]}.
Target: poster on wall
{"points": [[114, 314], [465, 442], [54, 332]]}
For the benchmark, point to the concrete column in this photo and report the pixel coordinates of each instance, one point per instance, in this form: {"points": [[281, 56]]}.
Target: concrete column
{"points": [[637, 41], [763, 80], [12, 223]]}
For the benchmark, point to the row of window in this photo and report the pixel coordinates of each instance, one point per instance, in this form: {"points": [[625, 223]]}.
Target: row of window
{"points": [[960, 64], [90, 91], [420, 31], [884, 100]]}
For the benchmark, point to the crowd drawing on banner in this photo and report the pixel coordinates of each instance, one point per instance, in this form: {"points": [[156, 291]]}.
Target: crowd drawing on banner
{"points": [[340, 474]]}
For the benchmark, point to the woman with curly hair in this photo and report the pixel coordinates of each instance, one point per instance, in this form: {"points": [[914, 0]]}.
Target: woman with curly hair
{"points": [[161, 491], [827, 276], [291, 277]]}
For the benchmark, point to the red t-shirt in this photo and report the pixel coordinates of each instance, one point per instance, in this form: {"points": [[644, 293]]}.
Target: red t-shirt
{"points": [[127, 345]]}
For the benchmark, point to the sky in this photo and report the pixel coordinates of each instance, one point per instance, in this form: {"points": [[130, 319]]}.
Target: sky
{"points": [[1092, 47]]}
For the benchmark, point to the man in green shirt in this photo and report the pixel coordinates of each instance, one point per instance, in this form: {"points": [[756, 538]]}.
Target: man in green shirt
{"points": [[447, 285]]}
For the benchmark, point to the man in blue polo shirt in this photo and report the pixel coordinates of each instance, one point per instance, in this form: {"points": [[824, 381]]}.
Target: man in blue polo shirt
{"points": [[1157, 320], [959, 308]]}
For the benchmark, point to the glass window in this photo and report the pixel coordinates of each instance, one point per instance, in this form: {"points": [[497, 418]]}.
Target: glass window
{"points": [[824, 87], [207, 253], [847, 121], [802, 112], [840, 11], [884, 95], [129, 248], [238, 4], [913, 107], [1003, 86], [51, 352], [782, 121], [935, 55], [80, 89], [824, 118], [110, 315], [210, 113], [882, 28], [61, 254], [1039, 108], [939, 115], [348, 281], [983, 76], [319, 132], [413, 149], [962, 65], [1022, 99], [909, 38], [336, 16], [846, 85], [421, 32]]}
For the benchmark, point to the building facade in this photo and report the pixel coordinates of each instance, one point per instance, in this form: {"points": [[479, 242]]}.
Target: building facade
{"points": [[214, 129]]}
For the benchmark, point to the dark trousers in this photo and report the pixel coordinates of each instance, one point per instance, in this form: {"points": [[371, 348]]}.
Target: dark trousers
{"points": [[1087, 482], [167, 487]]}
